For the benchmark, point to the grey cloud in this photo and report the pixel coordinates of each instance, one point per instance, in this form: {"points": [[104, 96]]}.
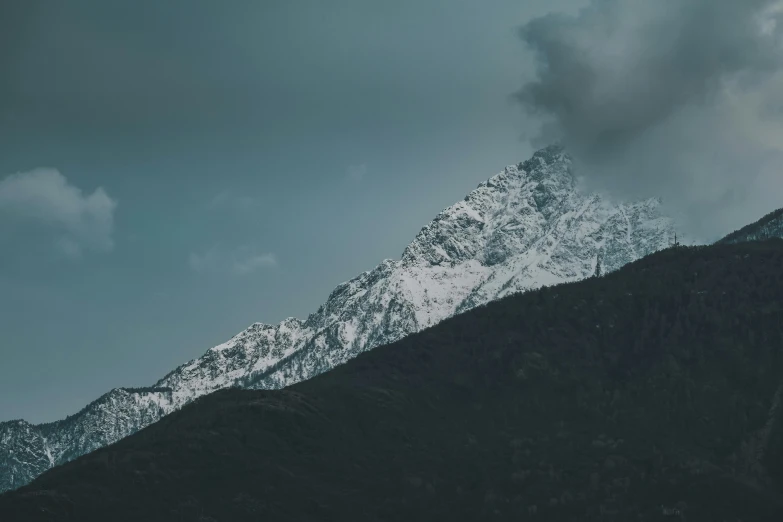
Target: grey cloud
{"points": [[44, 196], [676, 98], [239, 261]]}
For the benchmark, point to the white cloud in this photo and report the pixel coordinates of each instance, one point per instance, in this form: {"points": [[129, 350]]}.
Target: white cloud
{"points": [[44, 196], [357, 172], [240, 261]]}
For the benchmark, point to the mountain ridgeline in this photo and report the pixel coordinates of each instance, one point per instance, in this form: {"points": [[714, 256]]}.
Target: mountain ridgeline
{"points": [[767, 227], [525, 227], [651, 393]]}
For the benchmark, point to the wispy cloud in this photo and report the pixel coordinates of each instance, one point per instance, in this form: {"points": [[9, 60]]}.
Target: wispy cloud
{"points": [[44, 196], [247, 265], [230, 199], [239, 261], [69, 247], [357, 172]]}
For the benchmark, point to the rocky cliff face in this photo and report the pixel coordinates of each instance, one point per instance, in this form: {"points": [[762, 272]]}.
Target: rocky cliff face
{"points": [[525, 227]]}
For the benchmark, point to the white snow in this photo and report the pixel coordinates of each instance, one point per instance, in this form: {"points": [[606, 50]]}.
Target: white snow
{"points": [[517, 231]]}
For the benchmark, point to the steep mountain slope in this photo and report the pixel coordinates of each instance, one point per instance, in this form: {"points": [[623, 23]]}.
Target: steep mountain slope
{"points": [[649, 394], [525, 227], [767, 227], [27, 450]]}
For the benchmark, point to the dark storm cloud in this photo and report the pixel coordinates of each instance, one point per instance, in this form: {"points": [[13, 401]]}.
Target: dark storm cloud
{"points": [[119, 65], [187, 66], [677, 98]]}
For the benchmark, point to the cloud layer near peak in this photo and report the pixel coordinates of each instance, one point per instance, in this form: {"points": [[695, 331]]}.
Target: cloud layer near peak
{"points": [[44, 196], [677, 98]]}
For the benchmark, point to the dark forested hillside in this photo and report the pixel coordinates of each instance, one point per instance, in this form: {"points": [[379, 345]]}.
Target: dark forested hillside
{"points": [[767, 227], [652, 393]]}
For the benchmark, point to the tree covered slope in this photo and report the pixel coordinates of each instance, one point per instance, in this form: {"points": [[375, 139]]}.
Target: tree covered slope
{"points": [[767, 227], [652, 393]]}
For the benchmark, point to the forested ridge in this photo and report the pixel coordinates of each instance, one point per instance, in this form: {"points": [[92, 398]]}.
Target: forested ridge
{"points": [[651, 393], [769, 226]]}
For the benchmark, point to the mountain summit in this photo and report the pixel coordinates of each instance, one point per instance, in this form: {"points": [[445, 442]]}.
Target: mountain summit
{"points": [[526, 227]]}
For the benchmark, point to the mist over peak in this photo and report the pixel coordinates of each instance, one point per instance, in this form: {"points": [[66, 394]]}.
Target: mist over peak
{"points": [[677, 99]]}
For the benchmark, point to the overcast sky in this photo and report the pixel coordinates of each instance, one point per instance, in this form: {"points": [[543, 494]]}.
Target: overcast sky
{"points": [[172, 172]]}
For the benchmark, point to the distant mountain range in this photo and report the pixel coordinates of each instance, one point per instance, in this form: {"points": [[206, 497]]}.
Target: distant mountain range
{"points": [[525, 227], [650, 394]]}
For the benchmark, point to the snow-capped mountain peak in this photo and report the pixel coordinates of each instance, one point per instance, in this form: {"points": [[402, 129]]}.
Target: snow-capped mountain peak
{"points": [[525, 227], [506, 206]]}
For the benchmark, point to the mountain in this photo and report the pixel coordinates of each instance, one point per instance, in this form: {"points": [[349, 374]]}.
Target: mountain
{"points": [[525, 227], [27, 450], [767, 227], [652, 393]]}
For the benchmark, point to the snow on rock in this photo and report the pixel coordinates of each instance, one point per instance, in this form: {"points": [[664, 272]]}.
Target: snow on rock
{"points": [[525, 227], [28, 450]]}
